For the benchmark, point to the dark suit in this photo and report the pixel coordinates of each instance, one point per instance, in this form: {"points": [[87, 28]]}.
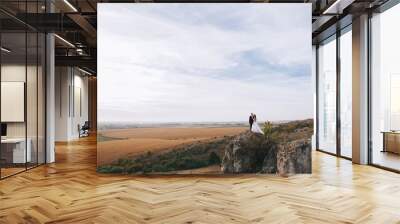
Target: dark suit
{"points": [[251, 121]]}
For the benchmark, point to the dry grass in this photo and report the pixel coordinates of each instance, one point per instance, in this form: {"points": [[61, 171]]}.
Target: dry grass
{"points": [[139, 140]]}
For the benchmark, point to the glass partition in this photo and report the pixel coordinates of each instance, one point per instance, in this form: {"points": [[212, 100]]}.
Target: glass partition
{"points": [[31, 97], [22, 108], [41, 96], [14, 155], [33, 65], [327, 95]]}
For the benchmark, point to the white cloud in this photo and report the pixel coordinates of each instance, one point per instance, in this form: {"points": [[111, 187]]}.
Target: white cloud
{"points": [[171, 62]]}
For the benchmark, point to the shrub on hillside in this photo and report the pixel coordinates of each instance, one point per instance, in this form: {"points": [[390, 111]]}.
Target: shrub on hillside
{"points": [[192, 156]]}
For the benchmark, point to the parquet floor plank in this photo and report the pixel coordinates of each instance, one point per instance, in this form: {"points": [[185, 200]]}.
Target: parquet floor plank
{"points": [[70, 191]]}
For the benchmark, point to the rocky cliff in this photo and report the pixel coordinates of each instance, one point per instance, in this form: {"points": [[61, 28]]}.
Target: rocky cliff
{"points": [[243, 154], [294, 157], [284, 151]]}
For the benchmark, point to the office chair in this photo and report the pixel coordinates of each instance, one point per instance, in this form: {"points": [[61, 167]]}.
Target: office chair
{"points": [[84, 130]]}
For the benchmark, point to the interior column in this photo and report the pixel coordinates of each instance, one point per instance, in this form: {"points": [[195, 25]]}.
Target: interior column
{"points": [[360, 90], [50, 92]]}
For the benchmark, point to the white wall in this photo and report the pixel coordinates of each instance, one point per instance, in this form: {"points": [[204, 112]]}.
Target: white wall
{"points": [[12, 73], [80, 110], [70, 83], [62, 82], [34, 125]]}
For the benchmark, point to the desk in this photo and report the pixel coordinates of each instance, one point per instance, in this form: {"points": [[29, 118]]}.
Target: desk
{"points": [[13, 150], [391, 141]]}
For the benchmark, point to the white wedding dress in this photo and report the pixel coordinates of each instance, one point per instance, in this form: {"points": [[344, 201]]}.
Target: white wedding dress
{"points": [[255, 128]]}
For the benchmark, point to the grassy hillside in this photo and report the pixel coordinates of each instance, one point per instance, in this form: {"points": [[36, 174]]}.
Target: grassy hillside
{"points": [[203, 153]]}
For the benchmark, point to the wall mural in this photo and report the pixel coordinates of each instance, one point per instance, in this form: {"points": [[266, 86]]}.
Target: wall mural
{"points": [[204, 88]]}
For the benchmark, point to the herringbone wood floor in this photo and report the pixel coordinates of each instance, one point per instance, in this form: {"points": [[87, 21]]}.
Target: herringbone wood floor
{"points": [[70, 191]]}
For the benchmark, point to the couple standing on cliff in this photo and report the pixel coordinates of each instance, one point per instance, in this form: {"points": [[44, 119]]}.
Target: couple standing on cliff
{"points": [[254, 127]]}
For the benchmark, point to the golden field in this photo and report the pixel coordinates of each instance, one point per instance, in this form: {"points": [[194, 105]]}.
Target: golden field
{"points": [[122, 143]]}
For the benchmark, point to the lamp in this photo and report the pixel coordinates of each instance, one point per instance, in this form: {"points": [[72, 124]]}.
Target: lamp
{"points": [[84, 71], [64, 40], [70, 5], [5, 50]]}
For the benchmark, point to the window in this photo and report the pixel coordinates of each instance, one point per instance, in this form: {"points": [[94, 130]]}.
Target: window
{"points": [[385, 89], [327, 95], [346, 93]]}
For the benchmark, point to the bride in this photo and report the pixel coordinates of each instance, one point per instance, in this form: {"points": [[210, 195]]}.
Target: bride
{"points": [[255, 128]]}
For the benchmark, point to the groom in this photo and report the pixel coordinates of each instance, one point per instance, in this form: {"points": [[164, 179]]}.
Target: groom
{"points": [[251, 120]]}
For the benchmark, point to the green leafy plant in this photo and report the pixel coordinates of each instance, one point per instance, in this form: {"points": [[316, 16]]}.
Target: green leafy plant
{"points": [[270, 133]]}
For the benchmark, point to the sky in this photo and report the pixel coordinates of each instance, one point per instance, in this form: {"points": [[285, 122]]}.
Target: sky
{"points": [[204, 62]]}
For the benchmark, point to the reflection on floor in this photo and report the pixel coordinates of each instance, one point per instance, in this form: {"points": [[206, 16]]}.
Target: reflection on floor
{"points": [[70, 191], [10, 171], [386, 159]]}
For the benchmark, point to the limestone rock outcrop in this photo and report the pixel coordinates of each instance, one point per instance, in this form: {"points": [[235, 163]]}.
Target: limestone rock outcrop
{"points": [[253, 153]]}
